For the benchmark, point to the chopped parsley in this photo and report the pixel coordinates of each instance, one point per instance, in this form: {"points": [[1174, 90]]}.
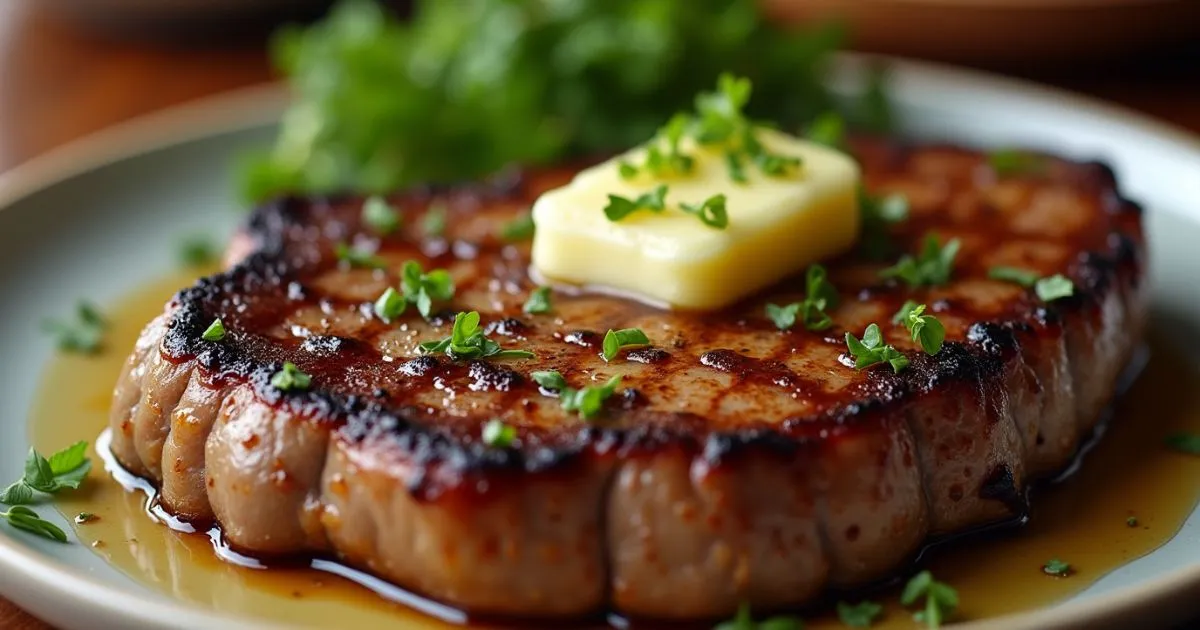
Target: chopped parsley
{"points": [[615, 340], [380, 216], [538, 302], [1057, 568], [1010, 162], [84, 334], [215, 331], [872, 351], [1132, 521], [197, 251], [744, 620], [1188, 443], [940, 599], [931, 267], [290, 378], [497, 434], [65, 469], [878, 213], [860, 615], [1054, 287], [358, 257], [620, 207], [417, 287], [820, 294], [720, 122], [660, 162], [925, 329], [434, 221], [467, 341], [1047, 288], [828, 129], [519, 229], [588, 401], [711, 211]]}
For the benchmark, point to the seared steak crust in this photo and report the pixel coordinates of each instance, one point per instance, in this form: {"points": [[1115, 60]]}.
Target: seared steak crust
{"points": [[738, 463]]}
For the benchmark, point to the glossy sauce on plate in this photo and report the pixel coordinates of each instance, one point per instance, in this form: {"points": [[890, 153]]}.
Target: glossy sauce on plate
{"points": [[1083, 520]]}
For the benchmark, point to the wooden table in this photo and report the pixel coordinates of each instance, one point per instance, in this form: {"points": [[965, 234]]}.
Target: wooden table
{"points": [[57, 84]]}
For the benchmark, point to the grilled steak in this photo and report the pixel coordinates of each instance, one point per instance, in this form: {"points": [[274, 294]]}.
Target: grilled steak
{"points": [[736, 463]]}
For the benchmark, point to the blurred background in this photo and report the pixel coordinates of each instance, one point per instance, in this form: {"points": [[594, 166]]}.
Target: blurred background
{"points": [[70, 67]]}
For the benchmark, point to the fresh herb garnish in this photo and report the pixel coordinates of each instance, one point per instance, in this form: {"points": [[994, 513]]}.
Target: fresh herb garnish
{"points": [[1132, 521], [931, 267], [65, 469], [828, 129], [878, 214], [215, 331], [1047, 288], [860, 615], [1054, 287], [588, 401], [1008, 162], [358, 257], [660, 162], [744, 620], [197, 251], [940, 599], [620, 207], [615, 340], [467, 341], [434, 221], [443, 95], [925, 329], [820, 294], [419, 288], [1058, 568], [521, 228], [538, 302], [84, 335], [720, 122], [872, 351], [711, 211], [380, 216], [1185, 443], [497, 434], [26, 519], [290, 378]]}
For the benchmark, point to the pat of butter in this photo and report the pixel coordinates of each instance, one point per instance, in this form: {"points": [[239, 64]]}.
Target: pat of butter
{"points": [[777, 226]]}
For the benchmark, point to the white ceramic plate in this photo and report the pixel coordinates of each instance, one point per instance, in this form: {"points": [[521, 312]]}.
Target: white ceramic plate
{"points": [[101, 217]]}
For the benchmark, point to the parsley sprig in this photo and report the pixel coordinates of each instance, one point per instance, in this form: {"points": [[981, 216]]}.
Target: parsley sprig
{"points": [[84, 334], [663, 158], [497, 434], [290, 378], [1058, 568], [932, 266], [860, 615], [720, 123], [711, 211], [538, 302], [617, 340], [1047, 288], [468, 341], [872, 351], [819, 295], [380, 216], [925, 329], [878, 214], [65, 469], [941, 599], [620, 207], [215, 331], [588, 401], [744, 620], [357, 256], [416, 287]]}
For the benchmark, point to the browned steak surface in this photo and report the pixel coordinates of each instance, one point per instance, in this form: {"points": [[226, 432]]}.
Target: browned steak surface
{"points": [[735, 463]]}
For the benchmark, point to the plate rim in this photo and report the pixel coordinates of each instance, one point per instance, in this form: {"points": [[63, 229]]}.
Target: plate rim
{"points": [[29, 578]]}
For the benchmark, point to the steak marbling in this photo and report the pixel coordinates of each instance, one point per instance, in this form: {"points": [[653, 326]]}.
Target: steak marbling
{"points": [[738, 463]]}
